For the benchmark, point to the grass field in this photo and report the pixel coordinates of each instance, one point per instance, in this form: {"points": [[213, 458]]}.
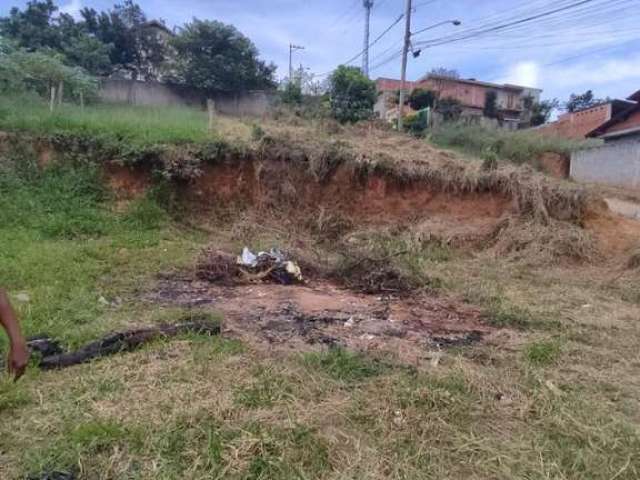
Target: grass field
{"points": [[554, 396], [140, 126], [518, 147]]}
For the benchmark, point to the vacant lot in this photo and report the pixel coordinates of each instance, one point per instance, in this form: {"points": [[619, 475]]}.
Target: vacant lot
{"points": [[500, 341]]}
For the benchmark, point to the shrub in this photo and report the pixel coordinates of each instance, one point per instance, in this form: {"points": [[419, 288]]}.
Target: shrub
{"points": [[421, 98], [352, 95]]}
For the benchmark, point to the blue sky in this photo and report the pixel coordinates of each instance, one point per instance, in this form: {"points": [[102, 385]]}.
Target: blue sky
{"points": [[594, 45]]}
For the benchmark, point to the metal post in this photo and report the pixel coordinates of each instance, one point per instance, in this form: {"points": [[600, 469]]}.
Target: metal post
{"points": [[292, 47], [368, 5], [405, 52], [290, 63]]}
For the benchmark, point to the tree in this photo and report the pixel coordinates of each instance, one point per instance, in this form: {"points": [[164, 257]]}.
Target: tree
{"points": [[581, 101], [491, 104], [421, 98], [218, 58], [32, 28], [136, 48], [541, 111], [38, 28], [12, 76], [444, 72], [292, 94], [352, 94]]}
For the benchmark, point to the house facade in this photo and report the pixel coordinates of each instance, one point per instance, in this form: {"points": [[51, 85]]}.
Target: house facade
{"points": [[617, 160], [578, 125], [623, 126], [511, 100]]}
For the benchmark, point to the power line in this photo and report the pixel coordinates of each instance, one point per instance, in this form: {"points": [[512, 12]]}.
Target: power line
{"points": [[504, 26], [376, 40]]}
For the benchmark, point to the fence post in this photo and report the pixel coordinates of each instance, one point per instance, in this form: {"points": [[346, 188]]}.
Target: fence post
{"points": [[81, 101], [60, 92], [211, 110], [52, 101]]}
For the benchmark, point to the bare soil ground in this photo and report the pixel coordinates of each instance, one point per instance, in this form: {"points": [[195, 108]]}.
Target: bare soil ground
{"points": [[305, 317]]}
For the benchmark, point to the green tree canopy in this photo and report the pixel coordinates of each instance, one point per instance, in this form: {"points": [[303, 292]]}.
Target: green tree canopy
{"points": [[491, 104], [352, 94], [216, 57], [135, 46], [541, 111], [582, 101], [421, 98]]}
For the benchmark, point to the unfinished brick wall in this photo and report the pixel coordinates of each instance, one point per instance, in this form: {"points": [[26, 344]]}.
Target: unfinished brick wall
{"points": [[577, 125]]}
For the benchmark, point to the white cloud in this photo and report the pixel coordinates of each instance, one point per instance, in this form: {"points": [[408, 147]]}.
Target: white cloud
{"points": [[524, 73], [72, 8]]}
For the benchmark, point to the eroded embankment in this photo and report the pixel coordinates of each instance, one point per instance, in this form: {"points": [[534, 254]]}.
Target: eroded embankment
{"points": [[308, 177]]}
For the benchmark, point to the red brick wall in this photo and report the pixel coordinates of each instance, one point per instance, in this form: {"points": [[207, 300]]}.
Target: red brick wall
{"points": [[632, 122], [577, 125], [388, 84]]}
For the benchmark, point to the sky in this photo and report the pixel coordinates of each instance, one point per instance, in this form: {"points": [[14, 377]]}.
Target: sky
{"points": [[559, 46]]}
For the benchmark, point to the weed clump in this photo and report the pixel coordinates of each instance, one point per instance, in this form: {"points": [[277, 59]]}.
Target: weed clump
{"points": [[534, 242], [542, 353], [343, 365]]}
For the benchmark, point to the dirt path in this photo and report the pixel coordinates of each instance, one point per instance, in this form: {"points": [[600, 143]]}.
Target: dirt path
{"points": [[302, 318], [626, 208]]}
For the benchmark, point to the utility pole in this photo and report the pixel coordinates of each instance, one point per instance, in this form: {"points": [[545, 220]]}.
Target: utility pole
{"points": [[368, 5], [292, 47], [405, 52]]}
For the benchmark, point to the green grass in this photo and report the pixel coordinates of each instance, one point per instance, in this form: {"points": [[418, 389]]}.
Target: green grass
{"points": [[518, 147], [344, 366], [132, 125], [542, 353], [65, 248]]}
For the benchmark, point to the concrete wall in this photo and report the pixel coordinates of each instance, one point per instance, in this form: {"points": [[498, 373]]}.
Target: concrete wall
{"points": [[134, 92], [616, 163]]}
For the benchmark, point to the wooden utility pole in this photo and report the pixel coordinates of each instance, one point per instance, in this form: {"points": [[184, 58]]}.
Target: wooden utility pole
{"points": [[368, 5], [405, 52]]}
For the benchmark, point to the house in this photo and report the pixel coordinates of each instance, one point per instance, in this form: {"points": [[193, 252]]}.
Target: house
{"points": [[578, 125], [617, 160], [623, 126], [513, 101]]}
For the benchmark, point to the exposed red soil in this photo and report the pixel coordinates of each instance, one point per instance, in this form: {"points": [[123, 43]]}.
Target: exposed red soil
{"points": [[377, 200], [615, 234], [306, 317], [556, 165], [127, 183]]}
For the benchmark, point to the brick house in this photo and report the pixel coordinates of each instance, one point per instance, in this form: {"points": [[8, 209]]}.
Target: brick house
{"points": [[623, 126], [617, 160], [471, 93], [577, 125]]}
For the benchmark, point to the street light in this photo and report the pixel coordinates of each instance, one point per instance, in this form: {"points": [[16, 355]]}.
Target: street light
{"points": [[416, 53], [456, 23], [405, 51]]}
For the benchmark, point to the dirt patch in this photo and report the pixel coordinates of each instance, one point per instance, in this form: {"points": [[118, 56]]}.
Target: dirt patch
{"points": [[127, 183], [302, 318], [377, 200], [554, 164], [616, 235]]}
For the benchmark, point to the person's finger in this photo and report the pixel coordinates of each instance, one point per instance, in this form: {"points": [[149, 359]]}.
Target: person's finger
{"points": [[19, 372], [10, 368]]}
